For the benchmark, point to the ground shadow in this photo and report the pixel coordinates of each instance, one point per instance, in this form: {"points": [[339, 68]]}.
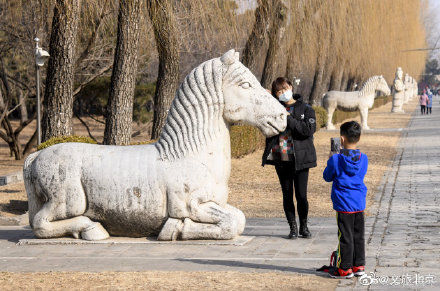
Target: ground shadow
{"points": [[14, 235], [16, 207], [8, 191], [240, 264]]}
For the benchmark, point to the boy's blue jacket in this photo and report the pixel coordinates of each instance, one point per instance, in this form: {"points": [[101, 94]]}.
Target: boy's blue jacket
{"points": [[347, 171]]}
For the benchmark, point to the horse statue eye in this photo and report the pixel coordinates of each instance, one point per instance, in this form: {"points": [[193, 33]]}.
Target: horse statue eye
{"points": [[245, 85]]}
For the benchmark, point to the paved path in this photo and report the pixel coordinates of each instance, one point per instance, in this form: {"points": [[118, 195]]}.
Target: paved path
{"points": [[404, 238], [403, 235], [267, 251]]}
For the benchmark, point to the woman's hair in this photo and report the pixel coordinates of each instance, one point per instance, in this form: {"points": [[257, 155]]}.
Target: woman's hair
{"points": [[279, 84]]}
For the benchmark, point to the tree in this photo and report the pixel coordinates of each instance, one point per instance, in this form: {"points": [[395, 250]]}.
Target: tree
{"points": [[120, 103], [9, 134], [280, 18], [58, 97], [257, 38], [165, 32]]}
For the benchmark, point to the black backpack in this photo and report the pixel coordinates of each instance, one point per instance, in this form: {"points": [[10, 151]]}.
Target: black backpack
{"points": [[333, 261]]}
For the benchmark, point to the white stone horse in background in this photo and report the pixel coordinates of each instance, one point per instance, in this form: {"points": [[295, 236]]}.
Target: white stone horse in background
{"points": [[176, 188], [351, 101]]}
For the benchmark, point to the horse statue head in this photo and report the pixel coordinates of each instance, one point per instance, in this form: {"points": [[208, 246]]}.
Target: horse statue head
{"points": [[218, 93], [382, 86], [373, 84]]}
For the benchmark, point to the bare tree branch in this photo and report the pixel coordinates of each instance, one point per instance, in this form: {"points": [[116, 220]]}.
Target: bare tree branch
{"points": [[86, 126], [93, 37], [91, 78]]}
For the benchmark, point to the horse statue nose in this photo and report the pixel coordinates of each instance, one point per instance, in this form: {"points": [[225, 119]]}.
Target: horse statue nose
{"points": [[283, 116]]}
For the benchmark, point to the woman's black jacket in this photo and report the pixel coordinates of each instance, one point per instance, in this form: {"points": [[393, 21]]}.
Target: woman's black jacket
{"points": [[302, 123]]}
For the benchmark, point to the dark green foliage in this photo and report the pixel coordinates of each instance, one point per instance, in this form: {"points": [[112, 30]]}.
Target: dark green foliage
{"points": [[245, 140], [321, 116], [61, 139], [92, 100]]}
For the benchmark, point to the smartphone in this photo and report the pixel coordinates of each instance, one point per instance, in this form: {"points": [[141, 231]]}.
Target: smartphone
{"points": [[335, 145]]}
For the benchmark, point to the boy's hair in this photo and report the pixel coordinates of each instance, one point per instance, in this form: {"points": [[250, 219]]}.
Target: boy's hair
{"points": [[279, 84], [351, 130]]}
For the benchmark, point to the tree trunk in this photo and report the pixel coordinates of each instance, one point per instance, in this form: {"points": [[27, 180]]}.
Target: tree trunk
{"points": [[316, 87], [326, 80], [293, 66], [276, 35], [123, 81], [344, 81], [336, 79], [350, 83], [257, 38], [58, 97], [23, 109], [165, 32]]}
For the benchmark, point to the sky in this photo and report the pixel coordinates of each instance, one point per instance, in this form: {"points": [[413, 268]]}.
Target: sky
{"points": [[432, 24], [244, 5]]}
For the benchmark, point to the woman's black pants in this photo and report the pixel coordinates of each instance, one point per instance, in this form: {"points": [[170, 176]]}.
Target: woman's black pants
{"points": [[422, 108], [289, 180]]}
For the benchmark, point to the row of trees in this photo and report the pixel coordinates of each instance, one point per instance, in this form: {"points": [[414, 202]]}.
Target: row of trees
{"points": [[328, 44]]}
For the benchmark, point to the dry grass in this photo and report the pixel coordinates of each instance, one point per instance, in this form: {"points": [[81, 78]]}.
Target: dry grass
{"points": [[155, 280], [256, 190]]}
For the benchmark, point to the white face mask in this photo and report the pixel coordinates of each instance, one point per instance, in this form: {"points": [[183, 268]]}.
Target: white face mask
{"points": [[286, 96]]}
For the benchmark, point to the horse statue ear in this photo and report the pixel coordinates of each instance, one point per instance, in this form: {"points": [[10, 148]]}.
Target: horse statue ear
{"points": [[237, 56], [229, 57]]}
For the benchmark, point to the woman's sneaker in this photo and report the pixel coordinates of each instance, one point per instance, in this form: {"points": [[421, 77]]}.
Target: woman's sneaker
{"points": [[359, 271], [341, 274]]}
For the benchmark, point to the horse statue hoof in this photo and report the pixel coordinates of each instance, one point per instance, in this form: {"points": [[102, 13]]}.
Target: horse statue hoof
{"points": [[171, 230], [95, 232]]}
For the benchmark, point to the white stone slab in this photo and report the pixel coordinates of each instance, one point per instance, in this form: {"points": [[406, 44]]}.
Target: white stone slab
{"points": [[239, 241]]}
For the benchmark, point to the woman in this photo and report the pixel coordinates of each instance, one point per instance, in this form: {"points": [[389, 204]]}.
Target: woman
{"points": [[423, 100], [292, 153], [429, 103]]}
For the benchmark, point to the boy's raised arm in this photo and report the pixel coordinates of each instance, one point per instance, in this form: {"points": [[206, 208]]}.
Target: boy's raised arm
{"points": [[329, 172]]}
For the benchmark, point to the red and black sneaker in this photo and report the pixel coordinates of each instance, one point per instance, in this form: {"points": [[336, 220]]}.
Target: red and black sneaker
{"points": [[341, 274], [358, 270]]}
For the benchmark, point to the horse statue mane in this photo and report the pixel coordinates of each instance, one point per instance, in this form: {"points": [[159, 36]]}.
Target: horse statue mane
{"points": [[369, 86], [361, 100], [193, 119]]}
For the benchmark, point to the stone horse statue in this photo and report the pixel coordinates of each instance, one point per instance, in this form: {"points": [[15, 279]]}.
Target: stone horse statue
{"points": [[176, 188], [351, 101]]}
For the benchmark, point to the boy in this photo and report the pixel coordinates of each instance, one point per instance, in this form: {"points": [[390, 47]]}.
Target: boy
{"points": [[347, 171]]}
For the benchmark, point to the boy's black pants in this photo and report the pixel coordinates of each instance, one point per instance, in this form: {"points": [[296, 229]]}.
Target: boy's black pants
{"points": [[351, 248], [290, 179]]}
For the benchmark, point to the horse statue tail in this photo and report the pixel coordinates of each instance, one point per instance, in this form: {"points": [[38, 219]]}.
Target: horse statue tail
{"points": [[34, 204]]}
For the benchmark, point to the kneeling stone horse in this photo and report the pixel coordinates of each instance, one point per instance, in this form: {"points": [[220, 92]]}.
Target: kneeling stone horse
{"points": [[176, 188], [351, 101]]}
